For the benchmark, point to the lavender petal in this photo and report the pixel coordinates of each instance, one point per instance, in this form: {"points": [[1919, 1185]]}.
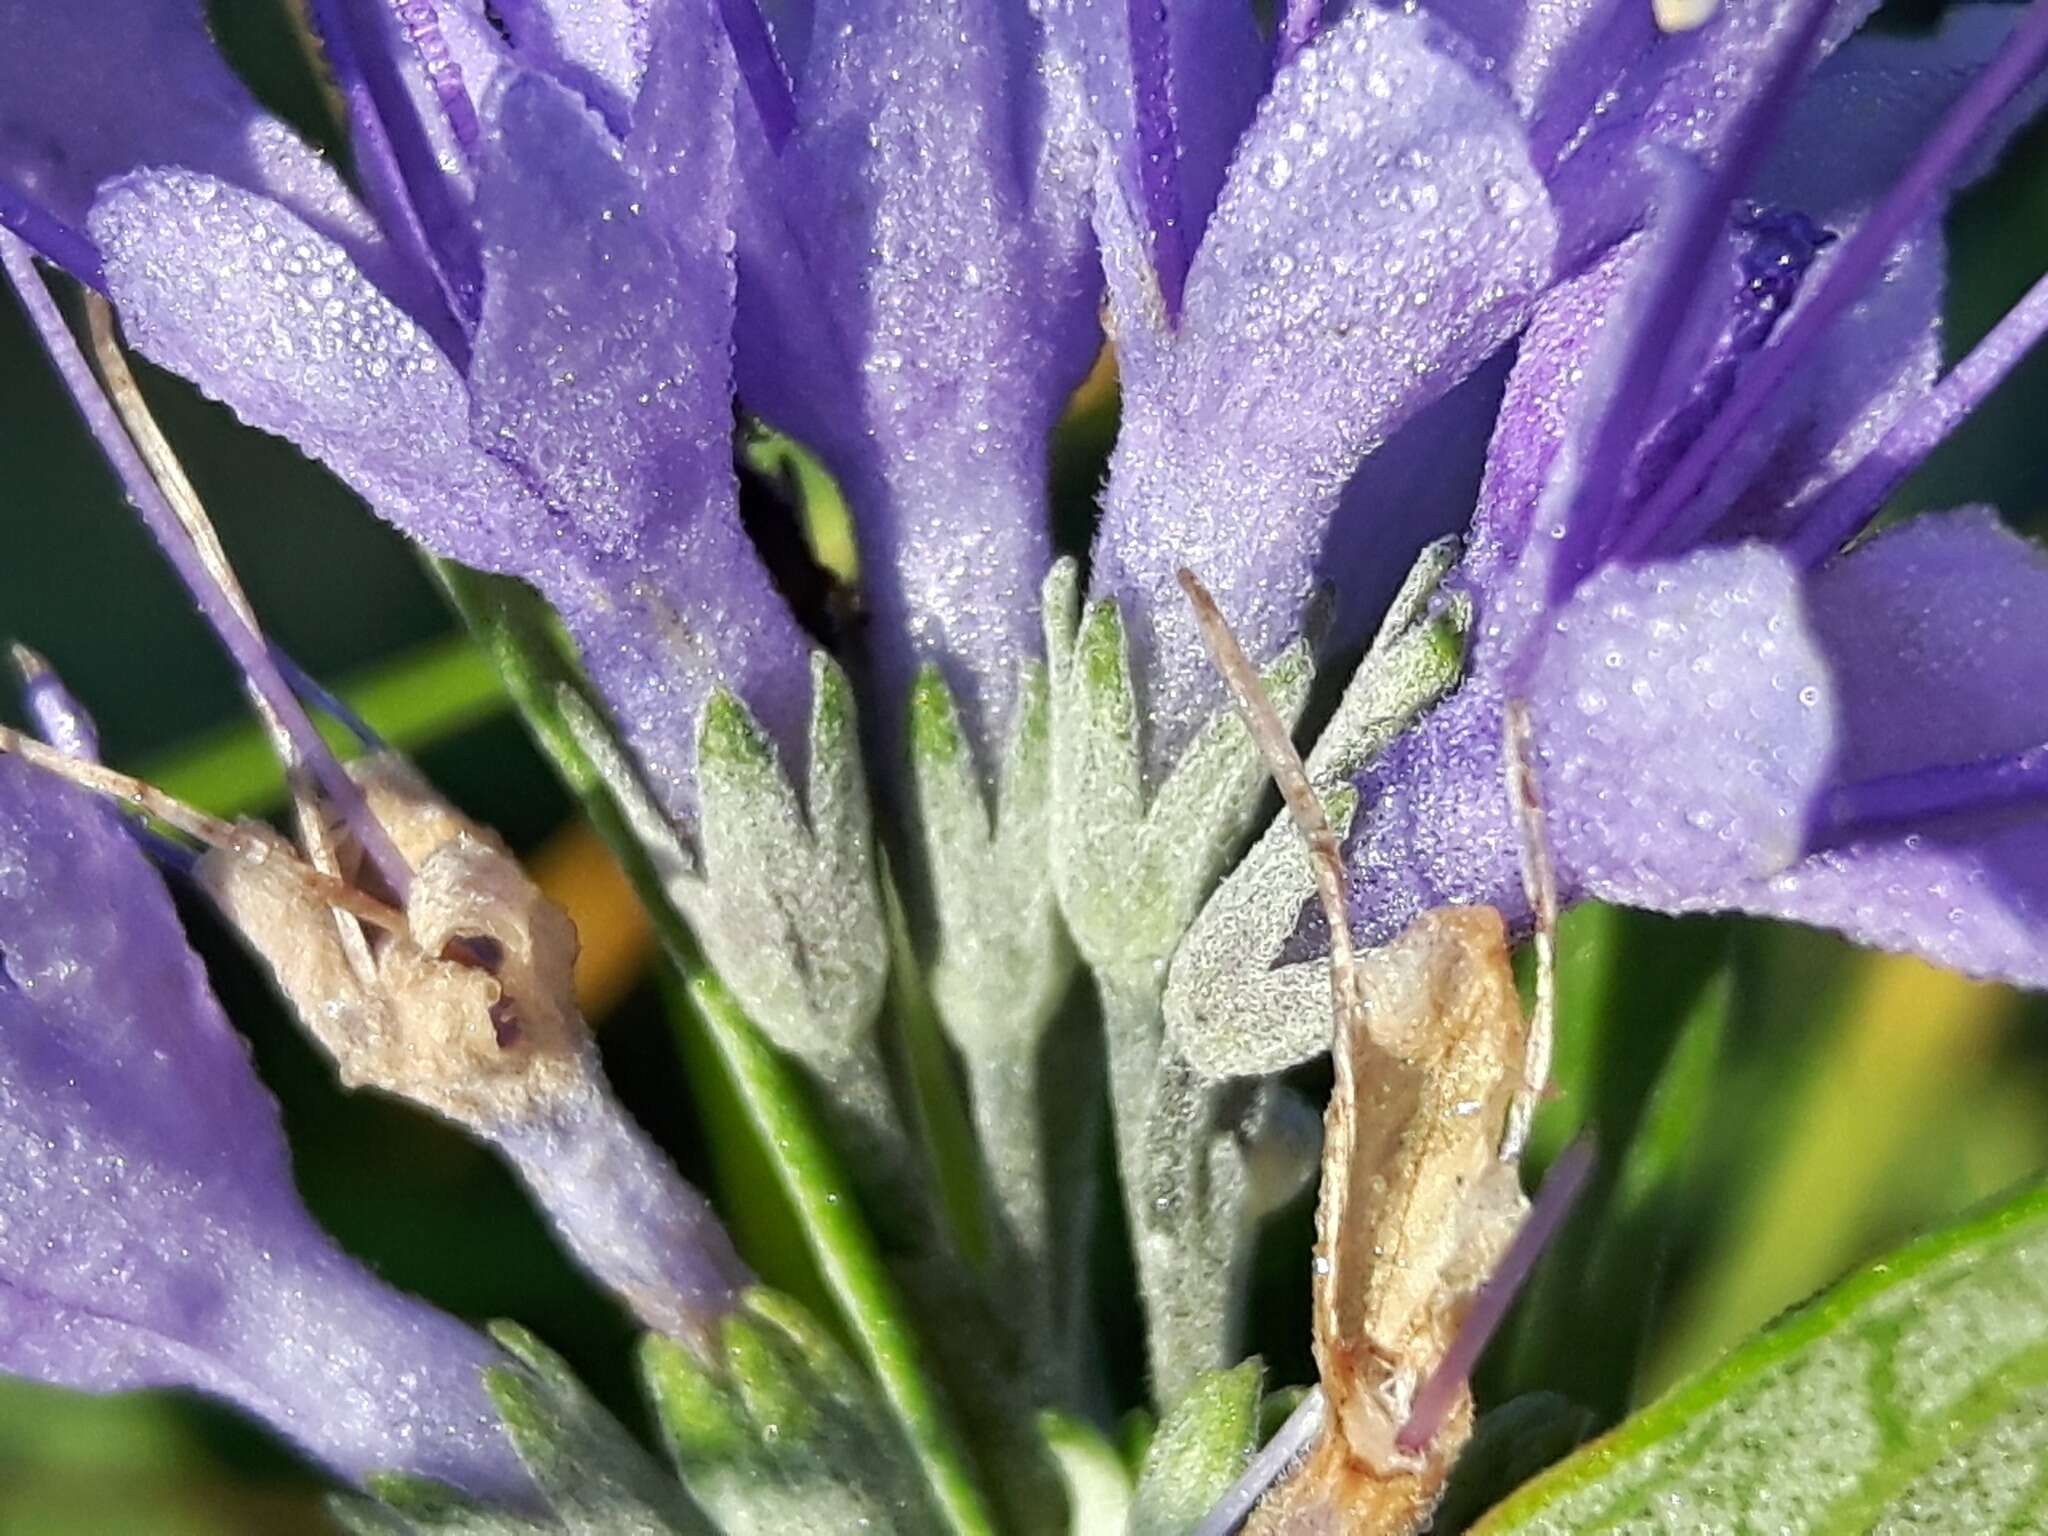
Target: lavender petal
{"points": [[1683, 726], [602, 378], [1381, 233], [908, 308], [95, 89], [149, 1230]]}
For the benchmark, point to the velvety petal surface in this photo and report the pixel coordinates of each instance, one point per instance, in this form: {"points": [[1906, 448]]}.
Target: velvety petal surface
{"points": [[149, 1231], [599, 47], [239, 296], [1216, 70], [1682, 721], [1938, 635], [916, 305], [1381, 232], [91, 89], [602, 378]]}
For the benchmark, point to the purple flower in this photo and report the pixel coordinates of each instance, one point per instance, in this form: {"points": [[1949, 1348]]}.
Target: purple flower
{"points": [[1729, 711], [149, 1231], [1380, 230], [917, 298], [522, 358]]}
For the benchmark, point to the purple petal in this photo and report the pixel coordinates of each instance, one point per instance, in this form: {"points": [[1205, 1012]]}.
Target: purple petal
{"points": [[1850, 135], [603, 377], [1553, 56], [1686, 92], [1433, 827], [1938, 635], [149, 1231], [1871, 106], [94, 89], [1215, 69], [1381, 233], [1416, 489], [237, 295], [1937, 632], [1682, 722], [914, 305], [598, 47]]}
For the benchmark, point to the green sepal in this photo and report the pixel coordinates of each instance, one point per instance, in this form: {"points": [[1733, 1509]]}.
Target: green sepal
{"points": [[404, 1503], [1132, 869], [1201, 1448], [593, 1474], [1914, 1395], [787, 906], [1231, 1009], [766, 1092], [780, 1435]]}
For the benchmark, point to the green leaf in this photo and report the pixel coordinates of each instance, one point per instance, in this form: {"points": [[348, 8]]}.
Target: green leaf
{"points": [[1511, 1444], [1093, 1472], [781, 1435], [1201, 1448], [1912, 1397], [517, 630], [1639, 1066]]}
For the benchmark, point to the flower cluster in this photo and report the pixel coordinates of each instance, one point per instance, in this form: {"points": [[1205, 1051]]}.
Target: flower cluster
{"points": [[1649, 320]]}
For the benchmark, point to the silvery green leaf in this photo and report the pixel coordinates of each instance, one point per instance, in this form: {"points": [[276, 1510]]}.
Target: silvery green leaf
{"points": [[781, 893], [1231, 1010], [1132, 867], [1912, 1397], [594, 1476], [1003, 960], [1201, 1447], [1001, 966], [788, 907], [781, 1435]]}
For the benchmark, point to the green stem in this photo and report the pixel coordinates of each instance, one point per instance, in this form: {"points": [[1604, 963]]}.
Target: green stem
{"points": [[517, 631], [1184, 1183]]}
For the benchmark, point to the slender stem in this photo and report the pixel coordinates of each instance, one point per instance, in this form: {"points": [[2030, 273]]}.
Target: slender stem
{"points": [[1009, 1124], [512, 624], [1185, 1192]]}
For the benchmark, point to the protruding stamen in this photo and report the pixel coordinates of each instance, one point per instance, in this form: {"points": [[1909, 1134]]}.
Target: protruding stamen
{"points": [[1848, 505], [1991, 786], [243, 841], [328, 702], [186, 536], [58, 716], [761, 67], [57, 241], [1553, 1203], [1592, 528], [1846, 279], [1290, 1442], [1300, 21], [422, 28], [1158, 147]]}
